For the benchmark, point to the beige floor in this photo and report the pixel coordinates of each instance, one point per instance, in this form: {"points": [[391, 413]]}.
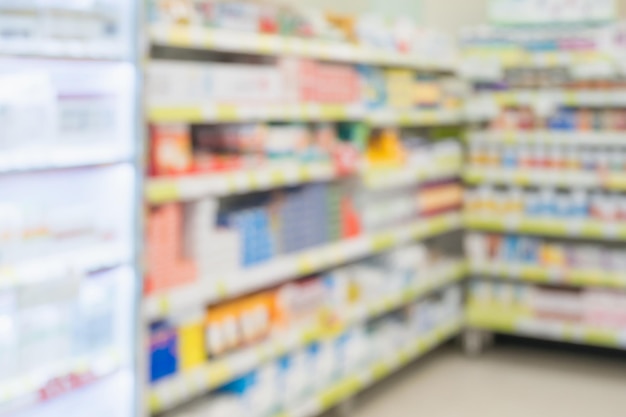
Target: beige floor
{"points": [[504, 382]]}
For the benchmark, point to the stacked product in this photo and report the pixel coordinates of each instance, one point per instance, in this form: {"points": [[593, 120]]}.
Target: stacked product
{"points": [[296, 377], [321, 302], [390, 149], [289, 221], [595, 308], [294, 81], [557, 158], [404, 89], [489, 249], [184, 243], [393, 207], [184, 150], [546, 203], [290, 81], [398, 35], [565, 119]]}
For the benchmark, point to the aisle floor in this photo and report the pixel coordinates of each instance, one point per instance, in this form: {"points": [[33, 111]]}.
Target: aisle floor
{"points": [[506, 381]]}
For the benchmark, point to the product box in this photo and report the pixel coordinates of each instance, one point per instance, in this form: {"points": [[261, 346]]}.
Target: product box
{"points": [[167, 265], [170, 150], [163, 351]]}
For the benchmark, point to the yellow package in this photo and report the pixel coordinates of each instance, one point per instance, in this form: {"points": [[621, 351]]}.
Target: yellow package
{"points": [[191, 350]]}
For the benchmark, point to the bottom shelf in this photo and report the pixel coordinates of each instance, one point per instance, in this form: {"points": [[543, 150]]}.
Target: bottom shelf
{"points": [[514, 323], [378, 370]]}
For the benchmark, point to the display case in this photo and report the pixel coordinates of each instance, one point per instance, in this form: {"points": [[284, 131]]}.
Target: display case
{"points": [[69, 203]]}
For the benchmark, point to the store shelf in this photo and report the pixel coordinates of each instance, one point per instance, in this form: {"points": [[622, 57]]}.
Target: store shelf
{"points": [[549, 59], [219, 113], [556, 97], [549, 137], [69, 49], [60, 378], [51, 159], [511, 322], [178, 389], [210, 290], [437, 169], [539, 274], [376, 371], [274, 45], [546, 177], [222, 113], [186, 188], [591, 229], [424, 117], [77, 263]]}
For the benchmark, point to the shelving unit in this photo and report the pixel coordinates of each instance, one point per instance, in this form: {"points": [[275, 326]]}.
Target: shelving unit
{"points": [[527, 263], [69, 204], [215, 289]]}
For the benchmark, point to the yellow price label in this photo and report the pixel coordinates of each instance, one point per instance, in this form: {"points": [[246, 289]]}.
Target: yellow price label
{"points": [[380, 370], [176, 114], [305, 265], [154, 403], [570, 98], [339, 392], [226, 112], [164, 305], [334, 113], [383, 242], [222, 289], [219, 374], [179, 35]]}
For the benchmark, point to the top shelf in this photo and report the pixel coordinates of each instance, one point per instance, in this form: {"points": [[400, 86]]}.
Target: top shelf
{"points": [[274, 45]]}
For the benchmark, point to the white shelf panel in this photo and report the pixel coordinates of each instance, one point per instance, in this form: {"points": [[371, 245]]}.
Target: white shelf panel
{"points": [[550, 137], [64, 264]]}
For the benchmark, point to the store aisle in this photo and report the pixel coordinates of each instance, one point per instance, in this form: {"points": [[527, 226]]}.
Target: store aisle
{"points": [[505, 382]]}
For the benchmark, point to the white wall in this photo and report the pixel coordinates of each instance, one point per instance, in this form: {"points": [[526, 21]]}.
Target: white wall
{"points": [[450, 15]]}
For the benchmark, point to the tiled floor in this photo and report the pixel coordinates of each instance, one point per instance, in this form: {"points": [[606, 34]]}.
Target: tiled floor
{"points": [[506, 381]]}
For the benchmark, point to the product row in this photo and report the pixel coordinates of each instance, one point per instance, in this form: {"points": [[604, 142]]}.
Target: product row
{"points": [[201, 149], [310, 303], [392, 148], [485, 249], [592, 307], [297, 81], [180, 149], [298, 376], [547, 203], [548, 157], [539, 78], [205, 240], [564, 119], [399, 35], [384, 209]]}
